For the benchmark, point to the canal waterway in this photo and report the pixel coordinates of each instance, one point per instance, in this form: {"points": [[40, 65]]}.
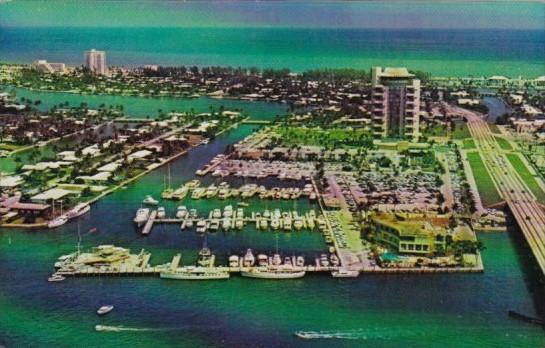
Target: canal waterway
{"points": [[457, 310], [140, 107]]}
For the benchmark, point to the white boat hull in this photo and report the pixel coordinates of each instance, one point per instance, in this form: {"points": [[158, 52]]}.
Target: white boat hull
{"points": [[273, 275], [194, 276]]}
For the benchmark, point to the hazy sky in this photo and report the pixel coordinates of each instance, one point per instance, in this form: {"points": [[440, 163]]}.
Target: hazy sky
{"points": [[349, 14]]}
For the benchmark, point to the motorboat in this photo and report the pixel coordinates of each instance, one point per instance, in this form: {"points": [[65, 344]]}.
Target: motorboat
{"points": [[270, 273], [324, 261], [214, 225], [228, 211], [193, 184], [161, 213], [262, 260], [249, 259], [198, 193], [149, 200], [298, 223], [300, 261], [105, 310], [58, 221], [234, 261], [343, 273], [211, 191], [216, 213], [180, 193], [334, 260], [195, 273], [205, 257], [78, 210], [276, 260], [226, 224], [142, 215], [181, 212], [189, 223], [201, 226], [223, 193], [56, 278]]}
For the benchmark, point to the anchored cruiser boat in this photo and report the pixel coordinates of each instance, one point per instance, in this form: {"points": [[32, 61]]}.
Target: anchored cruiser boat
{"points": [[273, 273], [142, 215], [195, 273]]}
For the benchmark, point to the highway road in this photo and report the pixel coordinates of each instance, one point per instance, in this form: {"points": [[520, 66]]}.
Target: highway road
{"points": [[528, 213]]}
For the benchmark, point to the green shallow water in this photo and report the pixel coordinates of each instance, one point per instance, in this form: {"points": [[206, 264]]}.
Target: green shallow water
{"points": [[454, 310]]}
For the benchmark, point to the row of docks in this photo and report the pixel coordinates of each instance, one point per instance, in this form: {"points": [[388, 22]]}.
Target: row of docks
{"points": [[232, 219], [225, 191], [112, 260]]}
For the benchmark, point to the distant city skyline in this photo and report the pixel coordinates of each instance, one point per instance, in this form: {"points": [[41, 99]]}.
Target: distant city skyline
{"points": [[321, 14]]}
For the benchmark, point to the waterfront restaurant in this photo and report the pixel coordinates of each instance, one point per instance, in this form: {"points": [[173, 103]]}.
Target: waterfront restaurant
{"points": [[408, 236]]}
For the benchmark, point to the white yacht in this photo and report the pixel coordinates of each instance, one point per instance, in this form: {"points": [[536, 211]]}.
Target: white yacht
{"points": [[58, 221], [234, 261], [276, 260], [180, 193], [181, 212], [216, 213], [300, 261], [262, 260], [343, 273], [55, 278], [202, 226], [150, 200], [161, 213], [214, 225], [105, 310], [298, 223], [226, 223], [195, 273], [249, 259], [78, 210], [211, 191], [142, 216], [228, 211], [273, 273]]}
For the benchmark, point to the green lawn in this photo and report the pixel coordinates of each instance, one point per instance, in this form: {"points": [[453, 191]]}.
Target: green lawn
{"points": [[526, 176], [485, 185], [504, 144], [10, 147], [469, 144], [494, 128], [461, 131], [333, 137], [435, 130]]}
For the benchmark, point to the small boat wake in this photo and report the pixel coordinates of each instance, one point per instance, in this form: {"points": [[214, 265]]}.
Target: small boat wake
{"points": [[120, 328], [358, 334]]}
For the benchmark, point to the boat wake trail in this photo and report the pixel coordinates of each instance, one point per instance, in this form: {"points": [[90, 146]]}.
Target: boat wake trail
{"points": [[120, 328], [360, 334]]}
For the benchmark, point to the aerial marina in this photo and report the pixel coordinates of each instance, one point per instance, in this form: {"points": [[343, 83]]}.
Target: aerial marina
{"points": [[272, 174]]}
